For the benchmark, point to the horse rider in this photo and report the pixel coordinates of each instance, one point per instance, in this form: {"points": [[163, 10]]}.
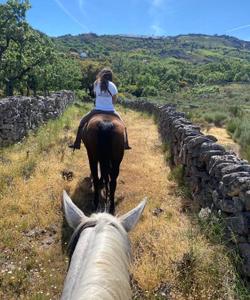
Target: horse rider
{"points": [[106, 96]]}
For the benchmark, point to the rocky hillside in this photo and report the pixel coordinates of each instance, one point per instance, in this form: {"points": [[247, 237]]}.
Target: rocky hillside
{"points": [[182, 46]]}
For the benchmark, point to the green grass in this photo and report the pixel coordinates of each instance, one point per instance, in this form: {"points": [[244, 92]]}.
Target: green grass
{"points": [[210, 53], [239, 128], [28, 168], [177, 175], [214, 229]]}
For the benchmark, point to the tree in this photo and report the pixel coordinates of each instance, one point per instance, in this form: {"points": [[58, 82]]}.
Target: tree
{"points": [[89, 70], [150, 91], [12, 23], [23, 57], [22, 49]]}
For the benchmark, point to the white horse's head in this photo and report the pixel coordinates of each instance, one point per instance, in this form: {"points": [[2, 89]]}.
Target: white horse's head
{"points": [[100, 253]]}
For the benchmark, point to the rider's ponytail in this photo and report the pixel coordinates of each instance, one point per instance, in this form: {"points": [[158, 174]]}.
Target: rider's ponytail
{"points": [[104, 76]]}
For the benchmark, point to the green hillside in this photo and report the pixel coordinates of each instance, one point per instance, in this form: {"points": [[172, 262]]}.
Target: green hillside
{"points": [[150, 66]]}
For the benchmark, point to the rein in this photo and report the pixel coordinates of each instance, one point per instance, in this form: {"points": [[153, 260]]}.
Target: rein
{"points": [[75, 237]]}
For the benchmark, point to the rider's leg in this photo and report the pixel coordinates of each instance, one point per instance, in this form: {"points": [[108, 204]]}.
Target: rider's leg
{"points": [[126, 145], [84, 120]]}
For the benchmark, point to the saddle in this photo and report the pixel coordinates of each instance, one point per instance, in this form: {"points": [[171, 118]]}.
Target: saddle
{"points": [[101, 113]]}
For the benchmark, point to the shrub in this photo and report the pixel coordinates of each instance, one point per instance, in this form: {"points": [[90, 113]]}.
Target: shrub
{"points": [[28, 168], [199, 90], [219, 118], [134, 90], [149, 91], [242, 132], [232, 125], [177, 174], [82, 96], [235, 110], [209, 117], [122, 96], [5, 181], [247, 153], [245, 136]]}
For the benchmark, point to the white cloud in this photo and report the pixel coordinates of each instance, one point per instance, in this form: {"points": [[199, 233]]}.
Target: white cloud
{"points": [[158, 9], [157, 3], [157, 29], [72, 17], [238, 28], [81, 2]]}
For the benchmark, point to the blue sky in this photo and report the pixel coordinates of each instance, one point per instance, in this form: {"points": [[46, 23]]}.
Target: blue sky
{"points": [[145, 17]]}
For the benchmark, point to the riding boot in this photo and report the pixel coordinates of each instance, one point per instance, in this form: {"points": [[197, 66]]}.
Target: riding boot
{"points": [[126, 145], [78, 140]]}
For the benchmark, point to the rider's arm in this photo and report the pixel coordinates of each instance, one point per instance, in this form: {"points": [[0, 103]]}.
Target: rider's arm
{"points": [[114, 98]]}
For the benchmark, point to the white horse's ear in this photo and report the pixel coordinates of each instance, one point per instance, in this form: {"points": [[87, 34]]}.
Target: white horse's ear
{"points": [[130, 219], [73, 214]]}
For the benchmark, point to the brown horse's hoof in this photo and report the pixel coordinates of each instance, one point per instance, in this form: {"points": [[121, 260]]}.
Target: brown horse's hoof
{"points": [[127, 147]]}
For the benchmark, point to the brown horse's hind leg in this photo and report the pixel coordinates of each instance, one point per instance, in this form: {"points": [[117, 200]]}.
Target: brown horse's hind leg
{"points": [[114, 174]]}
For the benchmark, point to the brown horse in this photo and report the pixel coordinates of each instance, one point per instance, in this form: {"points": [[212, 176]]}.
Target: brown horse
{"points": [[103, 137]]}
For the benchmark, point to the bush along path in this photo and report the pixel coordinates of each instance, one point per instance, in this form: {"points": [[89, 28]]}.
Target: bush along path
{"points": [[172, 257]]}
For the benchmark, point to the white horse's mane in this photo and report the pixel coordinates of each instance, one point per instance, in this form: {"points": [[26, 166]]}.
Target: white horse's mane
{"points": [[101, 272]]}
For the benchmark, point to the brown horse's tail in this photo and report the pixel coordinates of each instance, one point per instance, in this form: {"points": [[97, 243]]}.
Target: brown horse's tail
{"points": [[105, 134]]}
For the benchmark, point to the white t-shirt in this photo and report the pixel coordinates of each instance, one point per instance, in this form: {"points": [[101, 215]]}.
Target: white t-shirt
{"points": [[104, 99]]}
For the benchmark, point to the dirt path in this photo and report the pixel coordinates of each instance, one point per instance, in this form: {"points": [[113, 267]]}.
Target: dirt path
{"points": [[171, 258]]}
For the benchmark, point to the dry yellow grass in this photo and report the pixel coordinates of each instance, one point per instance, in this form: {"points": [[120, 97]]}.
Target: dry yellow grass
{"points": [[163, 245], [223, 138], [171, 256]]}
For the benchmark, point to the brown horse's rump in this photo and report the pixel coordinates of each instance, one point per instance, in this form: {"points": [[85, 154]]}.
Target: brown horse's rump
{"points": [[103, 117]]}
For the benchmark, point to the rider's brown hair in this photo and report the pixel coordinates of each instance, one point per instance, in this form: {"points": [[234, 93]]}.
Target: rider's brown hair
{"points": [[104, 76]]}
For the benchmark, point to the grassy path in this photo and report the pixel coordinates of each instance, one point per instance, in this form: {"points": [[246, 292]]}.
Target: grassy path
{"points": [[171, 257]]}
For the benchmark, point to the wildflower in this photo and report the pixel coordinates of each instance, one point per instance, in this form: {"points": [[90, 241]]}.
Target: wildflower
{"points": [[204, 213]]}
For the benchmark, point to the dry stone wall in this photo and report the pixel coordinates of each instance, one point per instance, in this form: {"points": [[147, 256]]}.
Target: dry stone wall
{"points": [[218, 179], [20, 114]]}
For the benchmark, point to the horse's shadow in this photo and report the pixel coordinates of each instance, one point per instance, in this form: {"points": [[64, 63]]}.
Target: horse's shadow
{"points": [[83, 197]]}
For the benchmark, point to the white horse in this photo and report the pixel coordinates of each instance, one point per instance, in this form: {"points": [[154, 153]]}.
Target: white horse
{"points": [[100, 254]]}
